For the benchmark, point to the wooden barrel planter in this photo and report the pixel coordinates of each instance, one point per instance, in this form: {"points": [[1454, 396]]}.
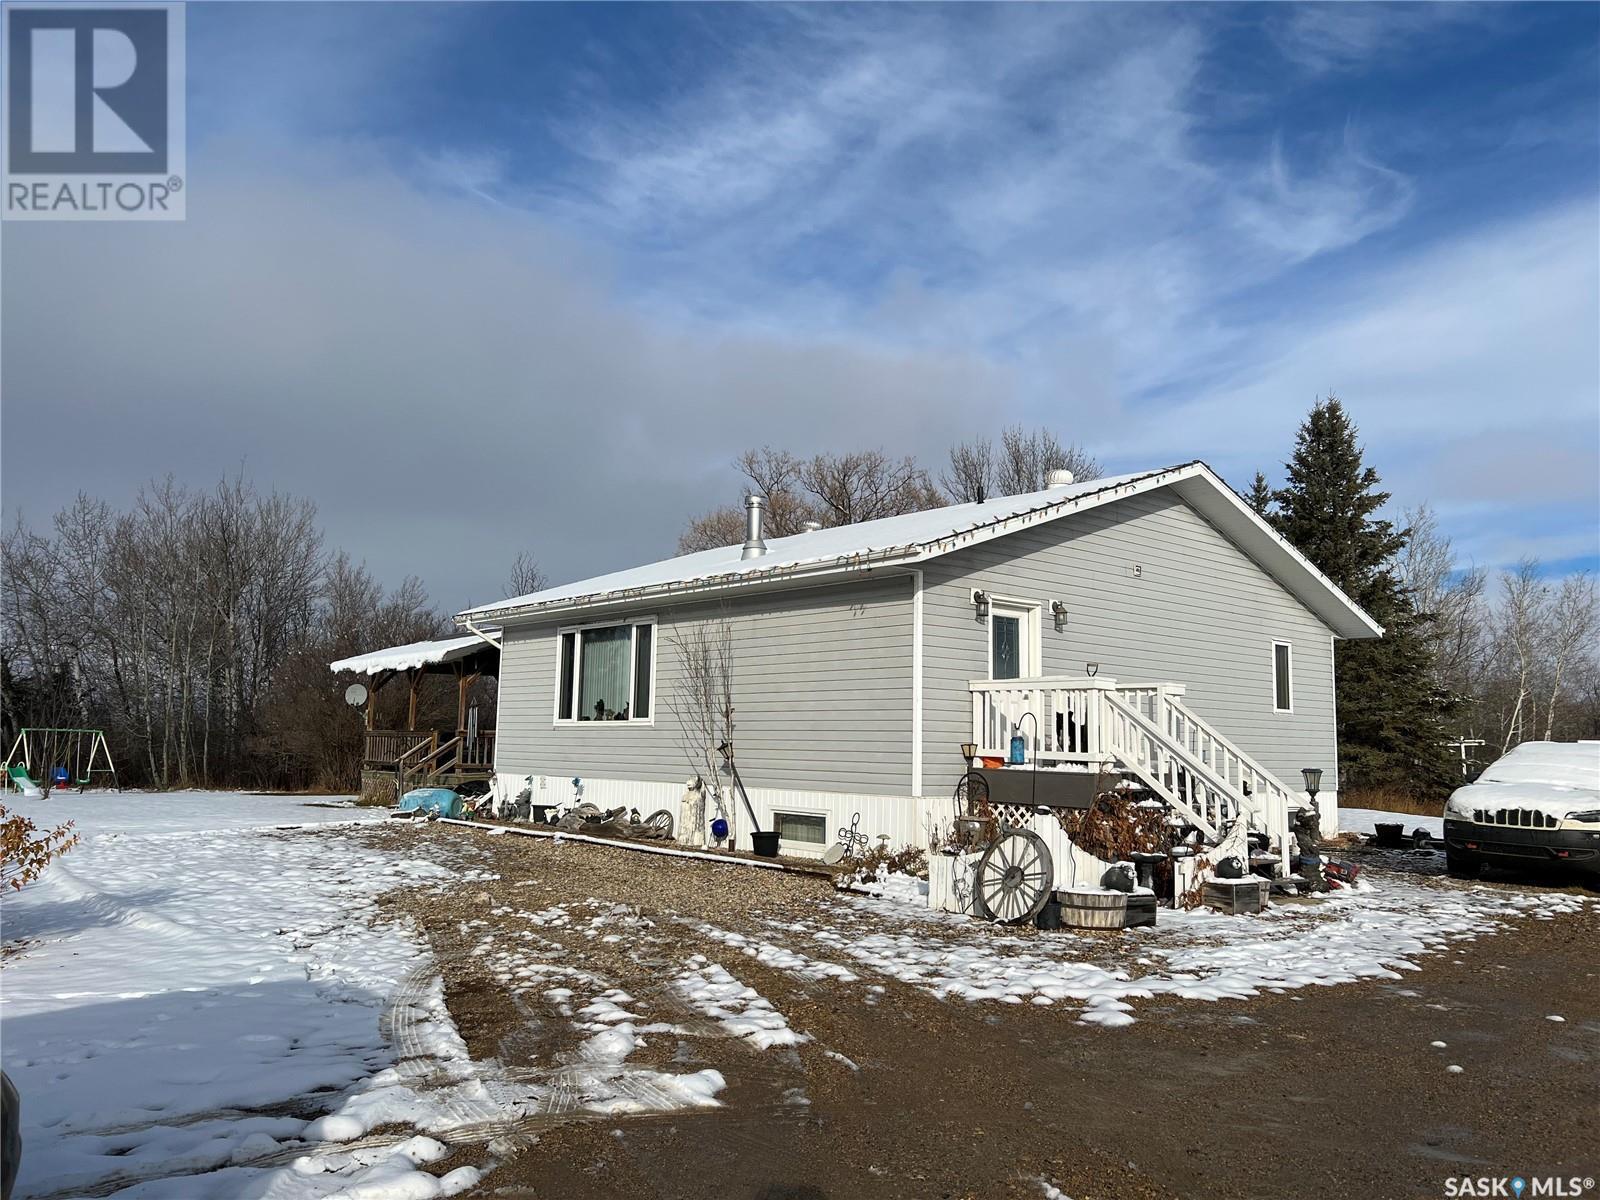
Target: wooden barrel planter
{"points": [[1097, 909]]}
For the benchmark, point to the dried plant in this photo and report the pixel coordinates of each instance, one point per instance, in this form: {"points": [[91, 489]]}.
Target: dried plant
{"points": [[25, 852]]}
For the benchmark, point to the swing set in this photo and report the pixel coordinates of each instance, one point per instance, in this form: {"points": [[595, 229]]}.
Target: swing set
{"points": [[42, 759]]}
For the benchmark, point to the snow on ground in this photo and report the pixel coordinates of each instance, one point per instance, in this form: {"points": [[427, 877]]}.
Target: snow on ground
{"points": [[185, 984], [1375, 931], [738, 1008], [890, 885], [196, 1004], [1365, 821], [94, 813]]}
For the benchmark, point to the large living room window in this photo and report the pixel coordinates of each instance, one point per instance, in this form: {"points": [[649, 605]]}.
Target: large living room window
{"points": [[607, 673]]}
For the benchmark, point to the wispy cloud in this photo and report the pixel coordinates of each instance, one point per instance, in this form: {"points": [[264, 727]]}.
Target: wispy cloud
{"points": [[1341, 36], [1162, 230]]}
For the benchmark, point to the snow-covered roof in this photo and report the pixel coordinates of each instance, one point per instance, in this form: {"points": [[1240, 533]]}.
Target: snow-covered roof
{"points": [[916, 537], [1551, 777], [410, 656]]}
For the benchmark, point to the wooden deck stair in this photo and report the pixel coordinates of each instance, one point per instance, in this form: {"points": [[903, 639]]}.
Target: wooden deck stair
{"points": [[1144, 730]]}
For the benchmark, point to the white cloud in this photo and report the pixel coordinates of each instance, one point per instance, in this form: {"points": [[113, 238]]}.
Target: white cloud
{"points": [[1471, 370]]}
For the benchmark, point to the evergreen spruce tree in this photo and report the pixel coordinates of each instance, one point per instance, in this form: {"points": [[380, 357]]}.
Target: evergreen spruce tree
{"points": [[1390, 714], [1259, 497]]}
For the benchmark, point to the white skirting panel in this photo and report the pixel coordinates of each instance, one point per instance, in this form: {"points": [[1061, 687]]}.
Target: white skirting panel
{"points": [[1328, 812], [904, 820]]}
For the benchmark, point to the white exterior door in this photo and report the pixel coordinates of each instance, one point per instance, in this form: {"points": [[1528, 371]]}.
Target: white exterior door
{"points": [[1011, 648]]}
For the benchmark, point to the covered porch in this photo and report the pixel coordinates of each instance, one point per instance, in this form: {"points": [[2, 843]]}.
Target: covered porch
{"points": [[409, 756]]}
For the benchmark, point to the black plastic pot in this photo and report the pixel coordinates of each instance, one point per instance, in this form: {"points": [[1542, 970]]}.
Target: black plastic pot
{"points": [[765, 843], [1390, 834], [1049, 916]]}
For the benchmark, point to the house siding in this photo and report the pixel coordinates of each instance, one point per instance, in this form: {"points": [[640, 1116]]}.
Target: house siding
{"points": [[822, 695], [1201, 613]]}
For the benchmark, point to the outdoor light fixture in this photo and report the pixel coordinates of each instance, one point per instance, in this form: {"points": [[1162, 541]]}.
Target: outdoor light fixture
{"points": [[1092, 669], [980, 601], [1312, 776], [1058, 610], [969, 751]]}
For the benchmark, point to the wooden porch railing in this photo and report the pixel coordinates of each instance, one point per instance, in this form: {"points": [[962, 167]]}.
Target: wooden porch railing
{"points": [[385, 747], [414, 754], [477, 749], [1149, 731]]}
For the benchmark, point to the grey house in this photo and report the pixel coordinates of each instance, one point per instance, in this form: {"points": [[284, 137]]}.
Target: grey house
{"points": [[1150, 621]]}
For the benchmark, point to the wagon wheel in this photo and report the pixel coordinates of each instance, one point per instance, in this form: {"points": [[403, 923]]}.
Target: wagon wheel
{"points": [[661, 822], [1015, 877]]}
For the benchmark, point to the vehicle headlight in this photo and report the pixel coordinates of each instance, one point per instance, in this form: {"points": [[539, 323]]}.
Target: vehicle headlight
{"points": [[1589, 816]]}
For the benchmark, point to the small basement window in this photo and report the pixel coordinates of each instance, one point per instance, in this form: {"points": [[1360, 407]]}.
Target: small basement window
{"points": [[607, 673], [1282, 678], [807, 829]]}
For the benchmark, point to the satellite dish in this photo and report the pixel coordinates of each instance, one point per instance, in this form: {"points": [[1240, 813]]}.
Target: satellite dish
{"points": [[355, 695]]}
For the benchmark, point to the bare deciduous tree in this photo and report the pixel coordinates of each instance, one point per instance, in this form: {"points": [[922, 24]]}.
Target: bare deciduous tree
{"points": [[1520, 631], [970, 476], [1571, 624], [1027, 457], [196, 629], [830, 489], [866, 485], [526, 577], [1451, 601], [702, 702], [1021, 463]]}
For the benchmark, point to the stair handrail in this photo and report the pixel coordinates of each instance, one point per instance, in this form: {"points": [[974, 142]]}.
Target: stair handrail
{"points": [[1270, 803], [1223, 740], [402, 771], [1179, 752], [1185, 757]]}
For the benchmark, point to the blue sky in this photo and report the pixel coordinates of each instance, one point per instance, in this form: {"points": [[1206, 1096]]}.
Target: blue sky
{"points": [[583, 255]]}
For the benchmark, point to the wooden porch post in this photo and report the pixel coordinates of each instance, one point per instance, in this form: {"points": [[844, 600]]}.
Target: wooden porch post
{"points": [[411, 711], [463, 681]]}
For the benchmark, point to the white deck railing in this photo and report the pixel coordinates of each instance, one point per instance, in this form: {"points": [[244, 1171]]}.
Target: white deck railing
{"points": [[1145, 729]]}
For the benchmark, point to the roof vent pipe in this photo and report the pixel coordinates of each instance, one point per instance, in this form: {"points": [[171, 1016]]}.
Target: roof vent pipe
{"points": [[754, 544], [810, 526], [1054, 479]]}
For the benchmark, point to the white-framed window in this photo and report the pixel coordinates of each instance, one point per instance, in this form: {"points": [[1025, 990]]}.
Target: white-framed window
{"points": [[801, 828], [1282, 677], [606, 674], [1013, 639]]}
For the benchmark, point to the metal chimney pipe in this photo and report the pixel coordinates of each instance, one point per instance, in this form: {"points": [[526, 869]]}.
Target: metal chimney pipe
{"points": [[754, 544]]}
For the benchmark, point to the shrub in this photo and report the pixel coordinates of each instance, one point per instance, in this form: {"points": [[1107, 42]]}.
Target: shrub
{"points": [[25, 852], [880, 862]]}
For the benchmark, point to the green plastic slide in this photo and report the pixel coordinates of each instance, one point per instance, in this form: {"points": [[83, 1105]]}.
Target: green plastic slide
{"points": [[22, 781]]}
